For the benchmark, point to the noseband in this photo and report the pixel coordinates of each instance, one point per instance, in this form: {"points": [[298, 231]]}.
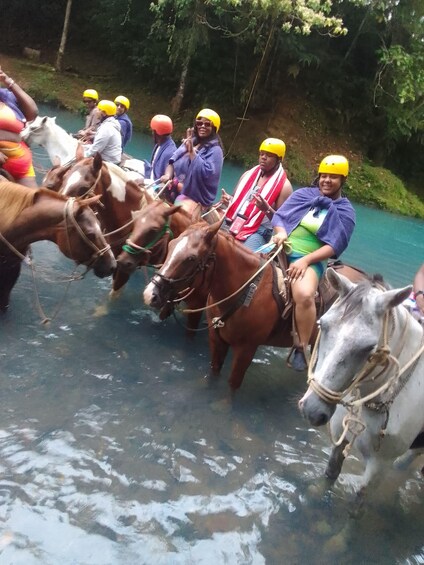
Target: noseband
{"points": [[134, 249], [158, 279], [70, 219]]}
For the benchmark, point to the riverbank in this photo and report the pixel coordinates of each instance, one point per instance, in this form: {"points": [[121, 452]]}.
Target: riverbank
{"points": [[307, 135]]}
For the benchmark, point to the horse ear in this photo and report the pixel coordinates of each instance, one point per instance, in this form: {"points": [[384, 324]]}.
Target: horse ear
{"points": [[391, 298], [79, 153], [212, 230], [172, 210], [97, 162], [341, 283], [44, 120], [149, 198]]}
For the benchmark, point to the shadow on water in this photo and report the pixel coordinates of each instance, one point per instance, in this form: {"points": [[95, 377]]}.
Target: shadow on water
{"points": [[114, 449]]}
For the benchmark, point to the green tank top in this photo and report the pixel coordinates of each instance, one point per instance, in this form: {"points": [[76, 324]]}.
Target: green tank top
{"points": [[303, 239]]}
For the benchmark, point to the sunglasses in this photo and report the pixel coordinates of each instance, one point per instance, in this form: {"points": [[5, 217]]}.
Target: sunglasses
{"points": [[200, 123]]}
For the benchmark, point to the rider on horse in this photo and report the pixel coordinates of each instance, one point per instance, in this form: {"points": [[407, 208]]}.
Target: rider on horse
{"points": [[93, 118], [162, 128], [122, 107], [195, 167], [314, 224], [107, 140], [258, 192], [16, 107]]}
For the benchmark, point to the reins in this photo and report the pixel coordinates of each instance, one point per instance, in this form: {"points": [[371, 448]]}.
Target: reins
{"points": [[69, 217], [252, 278]]}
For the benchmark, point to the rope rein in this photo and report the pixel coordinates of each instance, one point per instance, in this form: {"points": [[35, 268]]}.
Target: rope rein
{"points": [[208, 307]]}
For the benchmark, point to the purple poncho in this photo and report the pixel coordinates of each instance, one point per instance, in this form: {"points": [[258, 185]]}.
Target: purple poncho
{"points": [[337, 227], [200, 177]]}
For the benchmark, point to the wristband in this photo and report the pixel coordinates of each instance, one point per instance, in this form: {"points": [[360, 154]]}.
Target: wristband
{"points": [[11, 84]]}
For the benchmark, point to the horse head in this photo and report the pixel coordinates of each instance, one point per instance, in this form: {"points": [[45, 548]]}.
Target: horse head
{"points": [[53, 179], [350, 345], [151, 228], [82, 178], [82, 239], [45, 132], [188, 255]]}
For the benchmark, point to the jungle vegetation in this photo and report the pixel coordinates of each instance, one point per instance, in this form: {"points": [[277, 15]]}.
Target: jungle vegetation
{"points": [[360, 63]]}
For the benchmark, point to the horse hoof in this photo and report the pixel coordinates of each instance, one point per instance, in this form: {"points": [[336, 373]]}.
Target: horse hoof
{"points": [[100, 311], [115, 294], [224, 406]]}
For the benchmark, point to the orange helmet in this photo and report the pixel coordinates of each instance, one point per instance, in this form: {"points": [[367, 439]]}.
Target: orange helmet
{"points": [[162, 124]]}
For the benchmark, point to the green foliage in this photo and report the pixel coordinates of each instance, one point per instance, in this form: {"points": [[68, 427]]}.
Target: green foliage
{"points": [[378, 187]]}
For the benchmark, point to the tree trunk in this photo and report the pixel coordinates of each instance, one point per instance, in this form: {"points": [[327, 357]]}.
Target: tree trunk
{"points": [[177, 101], [61, 51]]}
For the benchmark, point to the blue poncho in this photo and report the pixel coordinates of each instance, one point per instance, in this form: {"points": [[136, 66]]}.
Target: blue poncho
{"points": [[337, 227], [200, 177]]}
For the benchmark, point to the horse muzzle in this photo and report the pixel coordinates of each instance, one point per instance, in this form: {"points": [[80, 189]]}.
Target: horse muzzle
{"points": [[104, 266], [314, 409], [128, 263], [156, 293]]}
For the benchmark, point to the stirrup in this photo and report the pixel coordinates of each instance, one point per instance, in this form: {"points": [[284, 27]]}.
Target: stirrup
{"points": [[293, 350]]}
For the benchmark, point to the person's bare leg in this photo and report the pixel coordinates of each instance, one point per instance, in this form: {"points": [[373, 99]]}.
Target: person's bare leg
{"points": [[305, 310]]}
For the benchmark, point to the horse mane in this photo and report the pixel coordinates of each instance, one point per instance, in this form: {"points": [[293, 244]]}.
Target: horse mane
{"points": [[118, 171], [354, 298], [14, 198]]}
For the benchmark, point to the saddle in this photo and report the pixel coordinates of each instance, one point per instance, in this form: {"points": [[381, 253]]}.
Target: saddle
{"points": [[281, 290]]}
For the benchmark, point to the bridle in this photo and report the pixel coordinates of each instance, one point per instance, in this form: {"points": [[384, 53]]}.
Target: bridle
{"points": [[134, 249], [70, 220], [378, 363], [201, 265]]}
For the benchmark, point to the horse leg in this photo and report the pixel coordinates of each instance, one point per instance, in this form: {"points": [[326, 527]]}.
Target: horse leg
{"points": [[9, 274], [335, 463], [242, 357], [218, 349], [193, 321]]}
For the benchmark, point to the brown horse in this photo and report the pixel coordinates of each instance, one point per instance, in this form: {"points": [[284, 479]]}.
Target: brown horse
{"points": [[28, 215], [251, 317], [154, 227], [120, 197]]}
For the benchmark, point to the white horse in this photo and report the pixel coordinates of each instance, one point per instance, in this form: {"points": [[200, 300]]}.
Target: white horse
{"points": [[61, 147], [367, 376]]}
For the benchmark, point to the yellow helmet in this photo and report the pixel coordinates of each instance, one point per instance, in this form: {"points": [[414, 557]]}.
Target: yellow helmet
{"points": [[210, 115], [90, 93], [123, 100], [334, 165], [274, 145], [107, 106]]}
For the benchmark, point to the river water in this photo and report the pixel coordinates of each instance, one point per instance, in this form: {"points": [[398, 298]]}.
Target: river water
{"points": [[113, 449]]}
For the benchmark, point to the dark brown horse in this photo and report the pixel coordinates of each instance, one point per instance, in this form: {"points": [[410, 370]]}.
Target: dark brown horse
{"points": [[250, 318], [154, 227], [28, 215]]}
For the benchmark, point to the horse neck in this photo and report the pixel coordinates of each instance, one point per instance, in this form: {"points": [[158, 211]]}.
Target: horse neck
{"points": [[178, 223], [234, 265], [60, 145], [37, 222]]}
